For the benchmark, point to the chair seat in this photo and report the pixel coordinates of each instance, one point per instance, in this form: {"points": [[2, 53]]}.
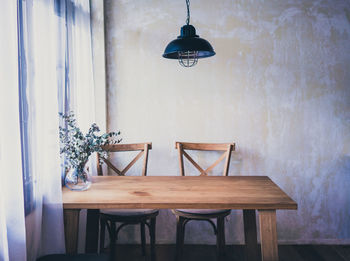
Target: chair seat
{"points": [[203, 211], [128, 212], [80, 257]]}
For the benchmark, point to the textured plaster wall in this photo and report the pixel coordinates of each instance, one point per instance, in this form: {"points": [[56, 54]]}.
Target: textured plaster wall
{"points": [[279, 87]]}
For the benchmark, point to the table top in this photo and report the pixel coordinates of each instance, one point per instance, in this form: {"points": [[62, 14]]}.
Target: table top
{"points": [[168, 192]]}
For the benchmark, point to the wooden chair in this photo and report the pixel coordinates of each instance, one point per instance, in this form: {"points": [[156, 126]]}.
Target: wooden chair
{"points": [[183, 216], [78, 257], [144, 217]]}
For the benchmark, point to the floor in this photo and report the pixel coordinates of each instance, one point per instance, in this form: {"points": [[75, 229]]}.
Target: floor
{"points": [[236, 253]]}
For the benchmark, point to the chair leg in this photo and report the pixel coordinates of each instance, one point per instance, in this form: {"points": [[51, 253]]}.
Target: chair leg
{"points": [[113, 238], [220, 237], [102, 234], [180, 236], [153, 238], [143, 238]]}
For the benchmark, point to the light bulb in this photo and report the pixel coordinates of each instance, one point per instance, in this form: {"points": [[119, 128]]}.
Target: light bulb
{"points": [[188, 58]]}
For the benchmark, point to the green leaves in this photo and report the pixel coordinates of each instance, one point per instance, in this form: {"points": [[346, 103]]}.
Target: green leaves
{"points": [[77, 147]]}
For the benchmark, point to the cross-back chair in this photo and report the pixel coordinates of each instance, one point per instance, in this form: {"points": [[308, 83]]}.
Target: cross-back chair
{"points": [[183, 216], [110, 217], [78, 257]]}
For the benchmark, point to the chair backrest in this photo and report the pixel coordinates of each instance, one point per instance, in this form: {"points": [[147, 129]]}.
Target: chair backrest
{"points": [[227, 148], [142, 147]]}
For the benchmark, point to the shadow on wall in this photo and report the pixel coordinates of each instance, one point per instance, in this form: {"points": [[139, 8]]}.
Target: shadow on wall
{"points": [[338, 191], [323, 197]]}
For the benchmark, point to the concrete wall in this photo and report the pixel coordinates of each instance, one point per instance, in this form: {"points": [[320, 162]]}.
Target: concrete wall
{"points": [[279, 87]]}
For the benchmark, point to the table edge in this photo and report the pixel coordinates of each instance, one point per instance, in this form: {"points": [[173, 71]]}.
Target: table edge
{"points": [[176, 206]]}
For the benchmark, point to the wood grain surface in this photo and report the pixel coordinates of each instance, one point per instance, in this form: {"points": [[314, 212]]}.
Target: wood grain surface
{"points": [[167, 192]]}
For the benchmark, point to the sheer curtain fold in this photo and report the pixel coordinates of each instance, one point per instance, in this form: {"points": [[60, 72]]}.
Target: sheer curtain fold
{"points": [[12, 226], [80, 62], [67, 38], [58, 77], [47, 218], [81, 82]]}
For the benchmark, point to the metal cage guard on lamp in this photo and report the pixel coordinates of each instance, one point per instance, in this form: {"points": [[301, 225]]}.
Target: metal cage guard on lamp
{"points": [[188, 47]]}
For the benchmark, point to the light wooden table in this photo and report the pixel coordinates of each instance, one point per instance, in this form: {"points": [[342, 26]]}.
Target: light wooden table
{"points": [[249, 193]]}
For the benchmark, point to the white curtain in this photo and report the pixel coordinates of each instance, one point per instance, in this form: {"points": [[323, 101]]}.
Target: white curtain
{"points": [[80, 62], [44, 43], [81, 82], [58, 77], [12, 226]]}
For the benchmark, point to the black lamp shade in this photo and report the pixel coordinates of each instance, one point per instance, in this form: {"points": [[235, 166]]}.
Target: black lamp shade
{"points": [[188, 41]]}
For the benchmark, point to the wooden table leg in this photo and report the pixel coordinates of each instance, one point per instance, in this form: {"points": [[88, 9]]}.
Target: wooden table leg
{"points": [[71, 227], [268, 235], [250, 235], [92, 225]]}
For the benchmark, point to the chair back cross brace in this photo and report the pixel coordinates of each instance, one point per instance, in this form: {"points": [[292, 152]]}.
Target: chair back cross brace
{"points": [[142, 147], [226, 147], [183, 216]]}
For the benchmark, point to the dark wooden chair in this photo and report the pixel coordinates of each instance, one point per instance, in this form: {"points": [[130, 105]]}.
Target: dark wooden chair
{"points": [[78, 257], [144, 217], [183, 216]]}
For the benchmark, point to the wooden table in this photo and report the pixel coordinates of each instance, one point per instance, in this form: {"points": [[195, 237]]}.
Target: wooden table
{"points": [[249, 193]]}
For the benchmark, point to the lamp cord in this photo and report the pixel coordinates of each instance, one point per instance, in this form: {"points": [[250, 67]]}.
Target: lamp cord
{"points": [[188, 12]]}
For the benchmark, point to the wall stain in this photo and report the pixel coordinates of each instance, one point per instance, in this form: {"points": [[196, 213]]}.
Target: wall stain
{"points": [[278, 87]]}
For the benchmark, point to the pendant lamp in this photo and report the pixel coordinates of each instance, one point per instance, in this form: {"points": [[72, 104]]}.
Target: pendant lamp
{"points": [[188, 47]]}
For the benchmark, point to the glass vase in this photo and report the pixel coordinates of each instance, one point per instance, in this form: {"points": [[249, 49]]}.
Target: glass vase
{"points": [[78, 179]]}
